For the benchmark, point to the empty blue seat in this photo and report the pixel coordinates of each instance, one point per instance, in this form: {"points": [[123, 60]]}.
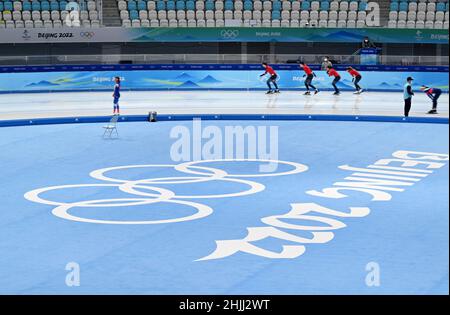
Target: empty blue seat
{"points": [[362, 6], [160, 5], [180, 5], [45, 6], [54, 5], [229, 5], [305, 5], [62, 5], [403, 6], [209, 5], [35, 6], [276, 5], [134, 15], [142, 5], [26, 6], [440, 6], [170, 5], [132, 5], [394, 6], [276, 15], [8, 6], [190, 5], [1, 6], [248, 5], [325, 6]]}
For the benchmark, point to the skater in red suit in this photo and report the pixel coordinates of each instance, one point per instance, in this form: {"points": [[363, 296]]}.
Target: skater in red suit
{"points": [[309, 77], [272, 79], [356, 77], [333, 73]]}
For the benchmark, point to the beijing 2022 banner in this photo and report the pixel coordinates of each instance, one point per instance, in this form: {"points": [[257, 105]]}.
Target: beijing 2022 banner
{"points": [[223, 34]]}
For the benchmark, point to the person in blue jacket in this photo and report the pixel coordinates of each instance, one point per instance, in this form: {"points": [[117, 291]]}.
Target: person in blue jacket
{"points": [[116, 96]]}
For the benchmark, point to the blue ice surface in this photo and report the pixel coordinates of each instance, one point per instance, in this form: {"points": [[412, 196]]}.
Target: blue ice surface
{"points": [[407, 236]]}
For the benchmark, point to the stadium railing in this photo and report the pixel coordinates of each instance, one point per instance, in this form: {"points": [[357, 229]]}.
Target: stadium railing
{"points": [[216, 59]]}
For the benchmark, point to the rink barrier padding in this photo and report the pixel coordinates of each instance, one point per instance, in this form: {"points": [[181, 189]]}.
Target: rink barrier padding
{"points": [[207, 77], [231, 117]]}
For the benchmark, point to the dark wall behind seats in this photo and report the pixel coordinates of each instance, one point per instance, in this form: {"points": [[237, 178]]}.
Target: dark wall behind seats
{"points": [[215, 48]]}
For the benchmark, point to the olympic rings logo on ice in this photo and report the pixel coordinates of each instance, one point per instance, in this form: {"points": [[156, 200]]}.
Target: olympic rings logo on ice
{"points": [[145, 191], [229, 34]]}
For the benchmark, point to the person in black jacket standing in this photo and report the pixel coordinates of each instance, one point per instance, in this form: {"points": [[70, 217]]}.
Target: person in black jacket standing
{"points": [[407, 95]]}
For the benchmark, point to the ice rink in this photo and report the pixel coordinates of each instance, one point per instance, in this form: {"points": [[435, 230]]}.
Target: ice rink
{"points": [[135, 221], [62, 104]]}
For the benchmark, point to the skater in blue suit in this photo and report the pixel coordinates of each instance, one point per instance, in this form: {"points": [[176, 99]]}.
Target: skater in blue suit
{"points": [[116, 96]]}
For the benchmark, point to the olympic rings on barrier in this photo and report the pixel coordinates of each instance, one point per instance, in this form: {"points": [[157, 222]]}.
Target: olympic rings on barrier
{"points": [[152, 194], [229, 34], [87, 34]]}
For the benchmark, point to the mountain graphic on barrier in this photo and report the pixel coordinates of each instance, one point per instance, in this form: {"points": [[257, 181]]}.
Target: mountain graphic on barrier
{"points": [[188, 84], [42, 83], [387, 85], [209, 79], [184, 76]]}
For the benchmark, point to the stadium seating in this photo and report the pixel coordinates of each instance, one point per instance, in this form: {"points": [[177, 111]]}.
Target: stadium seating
{"points": [[209, 13], [429, 14], [48, 14], [246, 13]]}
